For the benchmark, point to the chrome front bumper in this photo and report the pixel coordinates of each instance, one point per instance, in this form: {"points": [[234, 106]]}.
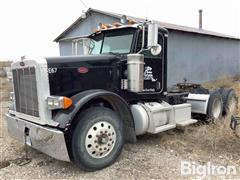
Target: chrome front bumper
{"points": [[47, 140]]}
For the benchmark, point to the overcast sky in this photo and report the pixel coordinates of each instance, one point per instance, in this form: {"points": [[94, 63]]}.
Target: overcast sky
{"points": [[28, 27]]}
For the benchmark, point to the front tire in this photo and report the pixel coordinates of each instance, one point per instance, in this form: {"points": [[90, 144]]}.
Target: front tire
{"points": [[97, 139]]}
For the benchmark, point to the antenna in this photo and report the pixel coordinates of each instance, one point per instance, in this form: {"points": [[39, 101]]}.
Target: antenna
{"points": [[84, 4], [146, 13]]}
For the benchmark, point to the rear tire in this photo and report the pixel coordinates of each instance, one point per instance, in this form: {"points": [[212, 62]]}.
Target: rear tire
{"points": [[229, 101], [97, 139], [215, 106]]}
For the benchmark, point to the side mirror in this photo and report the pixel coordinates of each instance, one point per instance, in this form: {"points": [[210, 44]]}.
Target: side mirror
{"points": [[153, 39]]}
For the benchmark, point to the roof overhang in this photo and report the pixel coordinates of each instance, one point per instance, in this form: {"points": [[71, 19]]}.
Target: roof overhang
{"points": [[168, 26], [80, 19]]}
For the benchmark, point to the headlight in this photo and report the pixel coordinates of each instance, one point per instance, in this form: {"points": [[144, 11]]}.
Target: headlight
{"points": [[12, 102], [58, 102]]}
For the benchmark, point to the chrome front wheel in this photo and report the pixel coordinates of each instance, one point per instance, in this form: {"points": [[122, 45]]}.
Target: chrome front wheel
{"points": [[100, 139]]}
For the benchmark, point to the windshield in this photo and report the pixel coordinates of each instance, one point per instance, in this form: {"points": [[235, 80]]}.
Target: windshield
{"points": [[112, 42]]}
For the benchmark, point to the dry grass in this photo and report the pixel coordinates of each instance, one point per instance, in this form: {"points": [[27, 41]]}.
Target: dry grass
{"points": [[5, 89], [206, 142], [5, 63]]}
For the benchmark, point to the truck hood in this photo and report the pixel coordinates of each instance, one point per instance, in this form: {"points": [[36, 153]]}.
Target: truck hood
{"points": [[71, 61], [69, 75]]}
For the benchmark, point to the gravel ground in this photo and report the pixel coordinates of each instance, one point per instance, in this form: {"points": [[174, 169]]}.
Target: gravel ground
{"points": [[152, 157], [145, 159]]}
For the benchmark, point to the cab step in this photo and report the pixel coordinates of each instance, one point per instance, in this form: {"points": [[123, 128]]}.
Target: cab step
{"points": [[186, 123], [164, 128]]}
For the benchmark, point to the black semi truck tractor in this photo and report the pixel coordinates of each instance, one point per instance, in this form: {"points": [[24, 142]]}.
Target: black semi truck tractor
{"points": [[84, 108]]}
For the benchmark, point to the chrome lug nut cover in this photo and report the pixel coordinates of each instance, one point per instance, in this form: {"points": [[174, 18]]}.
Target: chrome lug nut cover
{"points": [[100, 139]]}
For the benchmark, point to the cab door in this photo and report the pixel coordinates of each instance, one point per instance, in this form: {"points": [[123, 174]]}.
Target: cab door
{"points": [[153, 73], [154, 66]]}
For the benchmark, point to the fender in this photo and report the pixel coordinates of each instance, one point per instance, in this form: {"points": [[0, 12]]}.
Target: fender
{"points": [[65, 117]]}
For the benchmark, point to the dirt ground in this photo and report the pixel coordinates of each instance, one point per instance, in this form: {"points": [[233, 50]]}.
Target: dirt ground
{"points": [[152, 157]]}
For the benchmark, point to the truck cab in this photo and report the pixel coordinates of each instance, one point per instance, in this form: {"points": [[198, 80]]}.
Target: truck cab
{"points": [[111, 46], [84, 108]]}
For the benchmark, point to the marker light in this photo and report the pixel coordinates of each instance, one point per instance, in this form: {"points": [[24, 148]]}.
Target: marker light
{"points": [[67, 102], [124, 21], [58, 102]]}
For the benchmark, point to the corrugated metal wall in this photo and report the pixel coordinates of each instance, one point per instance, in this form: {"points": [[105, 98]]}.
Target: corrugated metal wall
{"points": [[196, 57], [200, 58]]}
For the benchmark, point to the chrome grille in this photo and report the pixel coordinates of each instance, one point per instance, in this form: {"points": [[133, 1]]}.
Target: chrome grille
{"points": [[25, 89]]}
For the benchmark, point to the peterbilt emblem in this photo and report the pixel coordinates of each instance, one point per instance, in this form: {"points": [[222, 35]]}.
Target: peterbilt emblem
{"points": [[148, 75], [82, 70]]}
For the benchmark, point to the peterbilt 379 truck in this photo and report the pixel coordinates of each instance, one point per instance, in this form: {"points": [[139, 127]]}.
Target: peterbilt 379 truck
{"points": [[84, 108]]}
